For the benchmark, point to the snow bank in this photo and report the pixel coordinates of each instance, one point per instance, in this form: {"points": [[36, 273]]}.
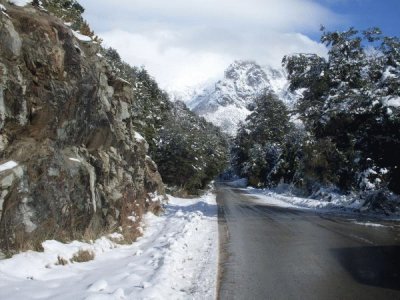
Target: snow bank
{"points": [[264, 199], [383, 206], [369, 224], [336, 201], [176, 258]]}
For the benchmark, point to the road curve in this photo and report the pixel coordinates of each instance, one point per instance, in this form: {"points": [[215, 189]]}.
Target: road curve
{"points": [[270, 252]]}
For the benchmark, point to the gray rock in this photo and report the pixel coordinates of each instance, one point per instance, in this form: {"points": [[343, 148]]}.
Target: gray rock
{"points": [[68, 123], [9, 39]]}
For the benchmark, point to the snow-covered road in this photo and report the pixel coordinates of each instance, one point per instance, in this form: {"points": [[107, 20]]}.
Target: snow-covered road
{"points": [[176, 258]]}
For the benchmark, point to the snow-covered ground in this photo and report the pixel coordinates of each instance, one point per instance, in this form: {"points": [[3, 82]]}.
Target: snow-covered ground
{"points": [[348, 204], [272, 200], [176, 258], [336, 201]]}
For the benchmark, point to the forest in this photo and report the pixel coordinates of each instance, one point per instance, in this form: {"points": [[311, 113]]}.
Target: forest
{"points": [[343, 132]]}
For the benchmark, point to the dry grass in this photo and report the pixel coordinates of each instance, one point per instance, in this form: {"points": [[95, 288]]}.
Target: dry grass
{"points": [[83, 256], [131, 204], [80, 256]]}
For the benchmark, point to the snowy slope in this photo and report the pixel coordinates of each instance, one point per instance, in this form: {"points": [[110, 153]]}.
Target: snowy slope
{"points": [[176, 258], [186, 94], [225, 103]]}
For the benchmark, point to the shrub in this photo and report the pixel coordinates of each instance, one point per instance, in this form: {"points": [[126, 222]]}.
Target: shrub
{"points": [[61, 261], [83, 256]]}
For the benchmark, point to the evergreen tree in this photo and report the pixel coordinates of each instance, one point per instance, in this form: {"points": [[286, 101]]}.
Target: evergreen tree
{"points": [[350, 104], [68, 10], [190, 152], [259, 142]]}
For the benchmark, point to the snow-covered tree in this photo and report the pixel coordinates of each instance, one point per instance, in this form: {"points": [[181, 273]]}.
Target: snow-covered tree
{"points": [[258, 144], [190, 152], [350, 103]]}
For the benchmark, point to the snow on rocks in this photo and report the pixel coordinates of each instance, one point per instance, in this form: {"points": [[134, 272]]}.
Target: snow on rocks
{"points": [[74, 159], [21, 2], [8, 165], [176, 258], [81, 37], [139, 137]]}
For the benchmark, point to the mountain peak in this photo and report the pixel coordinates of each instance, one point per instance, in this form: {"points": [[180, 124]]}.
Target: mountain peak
{"points": [[246, 74], [225, 103], [242, 66]]}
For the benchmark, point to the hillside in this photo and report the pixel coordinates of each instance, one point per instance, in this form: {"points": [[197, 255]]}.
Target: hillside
{"points": [[349, 141], [72, 163], [78, 128]]}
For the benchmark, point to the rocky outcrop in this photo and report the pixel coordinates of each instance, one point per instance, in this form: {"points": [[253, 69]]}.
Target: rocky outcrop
{"points": [[66, 121]]}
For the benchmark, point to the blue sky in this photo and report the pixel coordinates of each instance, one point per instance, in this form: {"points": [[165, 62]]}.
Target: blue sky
{"points": [[363, 14], [184, 43]]}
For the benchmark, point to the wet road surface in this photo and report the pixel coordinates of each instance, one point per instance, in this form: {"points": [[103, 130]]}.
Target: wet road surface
{"points": [[270, 252]]}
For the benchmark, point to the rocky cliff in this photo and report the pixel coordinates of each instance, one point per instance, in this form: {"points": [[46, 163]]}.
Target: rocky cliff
{"points": [[71, 163]]}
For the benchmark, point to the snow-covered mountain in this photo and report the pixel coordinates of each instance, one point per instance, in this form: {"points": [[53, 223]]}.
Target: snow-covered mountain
{"points": [[186, 94], [225, 103]]}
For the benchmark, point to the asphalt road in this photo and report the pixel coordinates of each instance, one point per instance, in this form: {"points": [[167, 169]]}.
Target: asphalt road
{"points": [[270, 252]]}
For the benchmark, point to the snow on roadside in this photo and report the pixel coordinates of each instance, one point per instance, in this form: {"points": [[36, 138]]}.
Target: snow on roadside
{"points": [[284, 200], [332, 203], [176, 258], [274, 201], [369, 224]]}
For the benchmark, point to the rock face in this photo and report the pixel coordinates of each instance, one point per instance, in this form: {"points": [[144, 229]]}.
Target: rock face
{"points": [[226, 102], [66, 120]]}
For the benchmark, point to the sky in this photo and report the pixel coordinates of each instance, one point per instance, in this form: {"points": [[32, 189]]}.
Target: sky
{"points": [[184, 43]]}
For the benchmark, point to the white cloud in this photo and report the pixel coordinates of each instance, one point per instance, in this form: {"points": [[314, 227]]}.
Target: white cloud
{"points": [[184, 42], [174, 67]]}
